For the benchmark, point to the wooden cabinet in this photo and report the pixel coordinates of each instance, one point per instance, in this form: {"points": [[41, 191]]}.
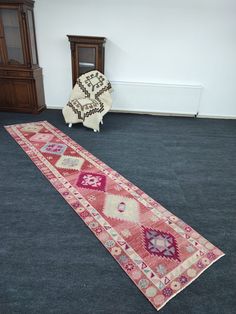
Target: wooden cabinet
{"points": [[21, 81], [87, 54]]}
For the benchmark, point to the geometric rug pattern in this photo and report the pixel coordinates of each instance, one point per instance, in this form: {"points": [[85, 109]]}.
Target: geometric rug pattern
{"points": [[160, 253]]}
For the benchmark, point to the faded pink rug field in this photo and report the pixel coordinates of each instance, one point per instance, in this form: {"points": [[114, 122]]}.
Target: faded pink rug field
{"points": [[160, 253]]}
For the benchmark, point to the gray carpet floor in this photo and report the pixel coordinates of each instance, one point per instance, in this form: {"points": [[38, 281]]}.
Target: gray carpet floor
{"points": [[49, 260]]}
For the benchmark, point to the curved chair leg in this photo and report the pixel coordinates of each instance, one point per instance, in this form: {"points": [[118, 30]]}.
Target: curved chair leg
{"points": [[70, 125], [101, 122]]}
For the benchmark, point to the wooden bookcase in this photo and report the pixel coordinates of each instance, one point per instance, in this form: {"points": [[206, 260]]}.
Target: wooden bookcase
{"points": [[87, 54], [21, 81]]}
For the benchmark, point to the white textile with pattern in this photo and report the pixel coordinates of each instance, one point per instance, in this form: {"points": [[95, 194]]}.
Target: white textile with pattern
{"points": [[90, 100]]}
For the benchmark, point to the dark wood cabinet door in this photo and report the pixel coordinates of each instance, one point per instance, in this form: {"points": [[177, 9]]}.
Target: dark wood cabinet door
{"points": [[6, 100], [22, 92], [10, 21], [21, 77]]}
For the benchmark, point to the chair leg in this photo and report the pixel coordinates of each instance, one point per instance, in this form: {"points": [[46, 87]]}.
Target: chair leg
{"points": [[70, 125], [101, 122], [94, 130]]}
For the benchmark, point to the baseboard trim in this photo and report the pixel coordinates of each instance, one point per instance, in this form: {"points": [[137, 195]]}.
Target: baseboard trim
{"points": [[55, 107], [206, 116], [153, 113], [168, 114]]}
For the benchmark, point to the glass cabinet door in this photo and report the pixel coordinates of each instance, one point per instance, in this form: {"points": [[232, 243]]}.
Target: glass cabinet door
{"points": [[2, 57], [32, 37], [12, 36], [87, 59], [87, 54]]}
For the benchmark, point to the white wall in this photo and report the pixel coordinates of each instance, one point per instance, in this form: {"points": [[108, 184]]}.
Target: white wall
{"points": [[158, 41]]}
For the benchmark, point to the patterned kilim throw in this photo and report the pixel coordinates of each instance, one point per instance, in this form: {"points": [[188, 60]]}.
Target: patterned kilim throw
{"points": [[159, 252], [89, 101]]}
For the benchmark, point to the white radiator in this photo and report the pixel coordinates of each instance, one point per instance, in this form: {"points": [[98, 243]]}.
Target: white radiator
{"points": [[176, 99]]}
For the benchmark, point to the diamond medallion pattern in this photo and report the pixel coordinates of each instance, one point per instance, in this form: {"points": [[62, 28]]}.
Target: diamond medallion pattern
{"points": [[32, 128], [69, 162], [120, 207], [160, 243], [41, 137], [54, 148], [93, 181]]}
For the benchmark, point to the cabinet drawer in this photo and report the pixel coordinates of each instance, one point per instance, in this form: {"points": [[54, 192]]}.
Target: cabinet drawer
{"points": [[15, 74]]}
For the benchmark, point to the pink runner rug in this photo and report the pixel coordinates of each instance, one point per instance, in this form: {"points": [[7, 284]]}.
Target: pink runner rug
{"points": [[160, 253]]}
